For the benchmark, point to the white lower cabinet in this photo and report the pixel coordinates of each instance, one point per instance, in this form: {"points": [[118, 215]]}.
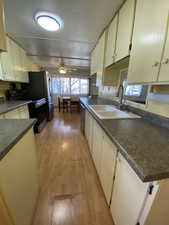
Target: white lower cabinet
{"points": [[129, 194], [19, 113], [14, 114], [2, 116], [107, 168], [97, 145], [4, 213], [89, 129], [24, 112], [131, 201], [19, 181]]}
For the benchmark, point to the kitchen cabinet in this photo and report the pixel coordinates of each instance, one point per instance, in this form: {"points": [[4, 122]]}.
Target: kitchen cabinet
{"points": [[107, 168], [23, 112], [92, 63], [25, 76], [131, 201], [100, 59], [2, 116], [19, 180], [164, 69], [111, 42], [19, 113], [94, 58], [89, 129], [14, 63], [129, 194], [7, 63], [14, 114], [97, 145], [87, 125], [125, 29], [3, 46], [148, 41], [4, 213], [19, 64]]}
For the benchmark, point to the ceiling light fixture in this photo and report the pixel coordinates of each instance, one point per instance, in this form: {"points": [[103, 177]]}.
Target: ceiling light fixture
{"points": [[62, 70], [49, 21]]}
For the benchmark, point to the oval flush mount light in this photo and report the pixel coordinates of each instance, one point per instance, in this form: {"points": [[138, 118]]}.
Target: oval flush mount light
{"points": [[49, 21]]}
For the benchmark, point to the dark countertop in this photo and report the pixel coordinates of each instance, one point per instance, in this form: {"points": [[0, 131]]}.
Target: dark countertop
{"points": [[11, 105], [144, 144], [11, 131]]}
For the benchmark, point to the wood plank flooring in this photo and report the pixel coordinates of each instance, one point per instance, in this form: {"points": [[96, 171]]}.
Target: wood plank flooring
{"points": [[70, 193]]}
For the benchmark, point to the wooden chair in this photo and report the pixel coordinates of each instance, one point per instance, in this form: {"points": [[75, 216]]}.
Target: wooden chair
{"points": [[74, 105], [66, 104], [60, 103]]}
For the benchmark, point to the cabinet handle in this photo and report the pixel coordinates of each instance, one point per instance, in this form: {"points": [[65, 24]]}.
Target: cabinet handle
{"points": [[155, 64], [165, 61]]}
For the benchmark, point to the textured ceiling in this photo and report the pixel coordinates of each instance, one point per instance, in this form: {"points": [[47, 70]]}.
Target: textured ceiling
{"points": [[83, 22]]}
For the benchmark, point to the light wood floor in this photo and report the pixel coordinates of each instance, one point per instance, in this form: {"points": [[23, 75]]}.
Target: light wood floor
{"points": [[70, 193]]}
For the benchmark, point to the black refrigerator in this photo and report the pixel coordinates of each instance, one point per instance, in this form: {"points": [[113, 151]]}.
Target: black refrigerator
{"points": [[38, 89]]}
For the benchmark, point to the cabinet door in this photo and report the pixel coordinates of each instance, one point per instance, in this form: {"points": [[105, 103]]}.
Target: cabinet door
{"points": [[2, 116], [108, 161], [1, 72], [129, 193], [111, 42], [148, 40], [125, 28], [14, 114], [92, 63], [89, 129], [16, 61], [97, 145], [90, 132], [23, 112], [164, 70], [3, 46], [23, 68], [87, 125], [4, 213], [18, 168], [6, 63], [100, 59]]}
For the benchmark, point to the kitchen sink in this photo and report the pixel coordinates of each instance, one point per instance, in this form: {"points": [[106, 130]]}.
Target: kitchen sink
{"points": [[103, 107], [111, 112]]}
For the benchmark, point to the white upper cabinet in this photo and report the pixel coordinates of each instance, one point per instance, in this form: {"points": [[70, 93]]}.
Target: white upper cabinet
{"points": [[13, 63], [129, 194], [148, 40], [164, 70], [100, 59], [6, 63], [3, 45], [111, 42], [125, 28]]}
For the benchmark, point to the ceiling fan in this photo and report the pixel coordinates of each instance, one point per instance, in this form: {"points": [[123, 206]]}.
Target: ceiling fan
{"points": [[64, 69]]}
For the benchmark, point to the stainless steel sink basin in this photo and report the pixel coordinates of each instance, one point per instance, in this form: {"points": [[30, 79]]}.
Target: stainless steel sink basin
{"points": [[111, 112], [103, 107]]}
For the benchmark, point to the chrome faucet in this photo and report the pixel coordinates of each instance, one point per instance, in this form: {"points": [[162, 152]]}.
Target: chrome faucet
{"points": [[121, 95]]}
